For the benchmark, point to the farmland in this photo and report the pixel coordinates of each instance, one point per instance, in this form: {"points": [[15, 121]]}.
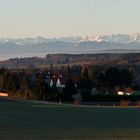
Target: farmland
{"points": [[35, 121]]}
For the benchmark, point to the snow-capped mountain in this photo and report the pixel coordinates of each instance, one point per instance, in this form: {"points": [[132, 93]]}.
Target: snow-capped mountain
{"points": [[113, 38], [136, 37], [40, 46]]}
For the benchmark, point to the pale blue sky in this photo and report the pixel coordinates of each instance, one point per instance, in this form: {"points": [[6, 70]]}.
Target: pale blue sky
{"points": [[56, 18]]}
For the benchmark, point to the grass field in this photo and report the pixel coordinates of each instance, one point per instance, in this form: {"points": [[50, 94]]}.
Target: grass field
{"points": [[34, 121]]}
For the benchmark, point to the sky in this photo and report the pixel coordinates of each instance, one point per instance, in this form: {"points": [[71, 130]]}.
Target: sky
{"points": [[58, 18]]}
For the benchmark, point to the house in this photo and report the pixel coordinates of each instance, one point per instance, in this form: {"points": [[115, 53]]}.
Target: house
{"points": [[4, 95], [51, 83], [129, 91], [59, 84], [59, 80], [121, 93]]}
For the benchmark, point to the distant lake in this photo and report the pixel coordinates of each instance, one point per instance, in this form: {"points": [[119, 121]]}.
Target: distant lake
{"points": [[43, 52], [20, 55]]}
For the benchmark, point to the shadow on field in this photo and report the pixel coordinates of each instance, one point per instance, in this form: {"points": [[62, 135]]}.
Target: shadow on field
{"points": [[34, 121]]}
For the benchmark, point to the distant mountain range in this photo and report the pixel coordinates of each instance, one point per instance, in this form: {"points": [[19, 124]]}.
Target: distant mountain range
{"points": [[40, 46], [113, 38]]}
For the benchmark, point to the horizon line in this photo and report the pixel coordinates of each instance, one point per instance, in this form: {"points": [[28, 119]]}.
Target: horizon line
{"points": [[57, 37]]}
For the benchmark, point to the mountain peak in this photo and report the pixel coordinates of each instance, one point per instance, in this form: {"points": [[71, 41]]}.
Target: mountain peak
{"points": [[112, 38], [136, 37]]}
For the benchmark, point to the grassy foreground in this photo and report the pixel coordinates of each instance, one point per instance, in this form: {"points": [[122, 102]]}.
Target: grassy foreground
{"points": [[32, 121]]}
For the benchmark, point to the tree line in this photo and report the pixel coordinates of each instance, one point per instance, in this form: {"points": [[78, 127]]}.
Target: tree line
{"points": [[86, 80]]}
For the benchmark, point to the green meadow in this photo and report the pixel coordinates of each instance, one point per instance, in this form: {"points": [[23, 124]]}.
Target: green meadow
{"points": [[21, 120]]}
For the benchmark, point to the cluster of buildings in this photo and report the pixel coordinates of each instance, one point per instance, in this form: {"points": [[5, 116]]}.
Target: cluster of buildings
{"points": [[60, 82]]}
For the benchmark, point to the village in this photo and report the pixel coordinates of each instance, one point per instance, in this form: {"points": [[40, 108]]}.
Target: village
{"points": [[85, 83]]}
